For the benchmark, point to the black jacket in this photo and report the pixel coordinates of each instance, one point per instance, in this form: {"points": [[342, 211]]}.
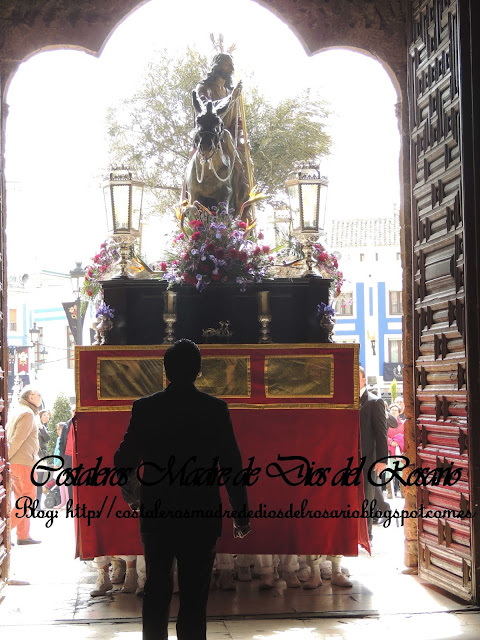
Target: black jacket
{"points": [[43, 438], [373, 429], [63, 437], [183, 428]]}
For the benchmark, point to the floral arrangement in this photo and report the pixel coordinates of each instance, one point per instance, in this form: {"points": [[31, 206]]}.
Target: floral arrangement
{"points": [[103, 264], [215, 246], [327, 266]]}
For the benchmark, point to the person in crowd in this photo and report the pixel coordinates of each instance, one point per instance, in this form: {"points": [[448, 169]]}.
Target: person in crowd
{"points": [[324, 567], [60, 441], [374, 444], [124, 572], [225, 566], [180, 423], [67, 445], [43, 438], [396, 440], [401, 406], [22, 439]]}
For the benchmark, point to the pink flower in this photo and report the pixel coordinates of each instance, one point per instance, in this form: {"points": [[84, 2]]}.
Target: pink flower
{"points": [[256, 251], [196, 236], [266, 249], [163, 266], [260, 235], [242, 225]]}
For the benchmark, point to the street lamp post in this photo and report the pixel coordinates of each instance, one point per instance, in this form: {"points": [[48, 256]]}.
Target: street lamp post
{"points": [[34, 335], [77, 275], [306, 190]]}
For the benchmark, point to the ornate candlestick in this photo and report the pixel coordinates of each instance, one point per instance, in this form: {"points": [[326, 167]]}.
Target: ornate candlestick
{"points": [[170, 316], [265, 329], [170, 319], [264, 316]]}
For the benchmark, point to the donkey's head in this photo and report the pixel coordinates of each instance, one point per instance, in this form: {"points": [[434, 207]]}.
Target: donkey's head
{"points": [[209, 127]]}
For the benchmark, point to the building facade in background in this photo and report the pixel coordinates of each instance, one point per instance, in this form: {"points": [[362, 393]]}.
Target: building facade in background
{"points": [[369, 310], [35, 301]]}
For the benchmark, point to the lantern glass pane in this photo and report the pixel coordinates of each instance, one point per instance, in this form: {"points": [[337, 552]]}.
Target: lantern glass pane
{"points": [[137, 196], [292, 191], [310, 205], [323, 206], [121, 206], [107, 196]]}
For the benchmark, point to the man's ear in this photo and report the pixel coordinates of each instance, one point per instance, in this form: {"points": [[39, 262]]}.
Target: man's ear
{"points": [[199, 374]]}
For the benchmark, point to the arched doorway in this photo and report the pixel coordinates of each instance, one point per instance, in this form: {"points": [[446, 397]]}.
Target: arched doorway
{"points": [[441, 343]]}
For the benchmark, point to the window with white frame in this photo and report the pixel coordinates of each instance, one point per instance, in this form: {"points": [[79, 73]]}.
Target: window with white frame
{"points": [[395, 303], [12, 320], [395, 350], [344, 304]]}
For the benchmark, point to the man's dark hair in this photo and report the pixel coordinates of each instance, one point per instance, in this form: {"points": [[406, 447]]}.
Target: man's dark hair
{"points": [[182, 361], [214, 69]]}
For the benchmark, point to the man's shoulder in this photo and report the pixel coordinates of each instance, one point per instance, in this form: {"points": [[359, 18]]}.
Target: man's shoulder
{"points": [[212, 400], [152, 399], [196, 398]]}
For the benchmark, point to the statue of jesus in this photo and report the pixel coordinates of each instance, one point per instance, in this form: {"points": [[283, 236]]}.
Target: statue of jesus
{"points": [[217, 86]]}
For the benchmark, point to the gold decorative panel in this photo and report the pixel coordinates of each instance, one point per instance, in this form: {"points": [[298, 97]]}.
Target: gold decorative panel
{"points": [[225, 377], [125, 378], [299, 377]]}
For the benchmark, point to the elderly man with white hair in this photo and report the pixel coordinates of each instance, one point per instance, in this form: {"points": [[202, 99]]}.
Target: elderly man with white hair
{"points": [[22, 439]]}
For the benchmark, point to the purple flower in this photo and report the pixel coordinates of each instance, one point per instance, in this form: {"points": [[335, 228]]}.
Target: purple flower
{"points": [[104, 310], [200, 286], [218, 226], [325, 310], [243, 284]]}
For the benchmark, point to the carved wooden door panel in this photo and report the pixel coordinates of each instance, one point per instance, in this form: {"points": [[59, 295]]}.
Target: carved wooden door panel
{"points": [[443, 428], [4, 479]]}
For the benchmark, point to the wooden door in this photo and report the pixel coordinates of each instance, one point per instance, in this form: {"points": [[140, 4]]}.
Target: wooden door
{"points": [[4, 476], [445, 342]]}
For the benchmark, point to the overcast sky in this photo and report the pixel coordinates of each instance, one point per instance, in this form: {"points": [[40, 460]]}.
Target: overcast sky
{"points": [[55, 139]]}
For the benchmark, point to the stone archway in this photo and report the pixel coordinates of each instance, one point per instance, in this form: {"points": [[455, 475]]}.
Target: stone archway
{"points": [[383, 28], [87, 26]]}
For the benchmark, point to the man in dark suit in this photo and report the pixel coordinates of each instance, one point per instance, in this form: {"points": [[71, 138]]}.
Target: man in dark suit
{"points": [[373, 436], [181, 428]]}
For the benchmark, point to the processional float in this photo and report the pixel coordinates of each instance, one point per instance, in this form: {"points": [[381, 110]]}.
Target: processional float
{"points": [[266, 346]]}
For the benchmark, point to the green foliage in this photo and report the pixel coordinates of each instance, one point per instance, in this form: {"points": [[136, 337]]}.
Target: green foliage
{"points": [[283, 135], [393, 389], [152, 129], [61, 412]]}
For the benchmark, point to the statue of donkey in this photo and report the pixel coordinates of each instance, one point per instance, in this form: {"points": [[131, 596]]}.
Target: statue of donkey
{"points": [[215, 172]]}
